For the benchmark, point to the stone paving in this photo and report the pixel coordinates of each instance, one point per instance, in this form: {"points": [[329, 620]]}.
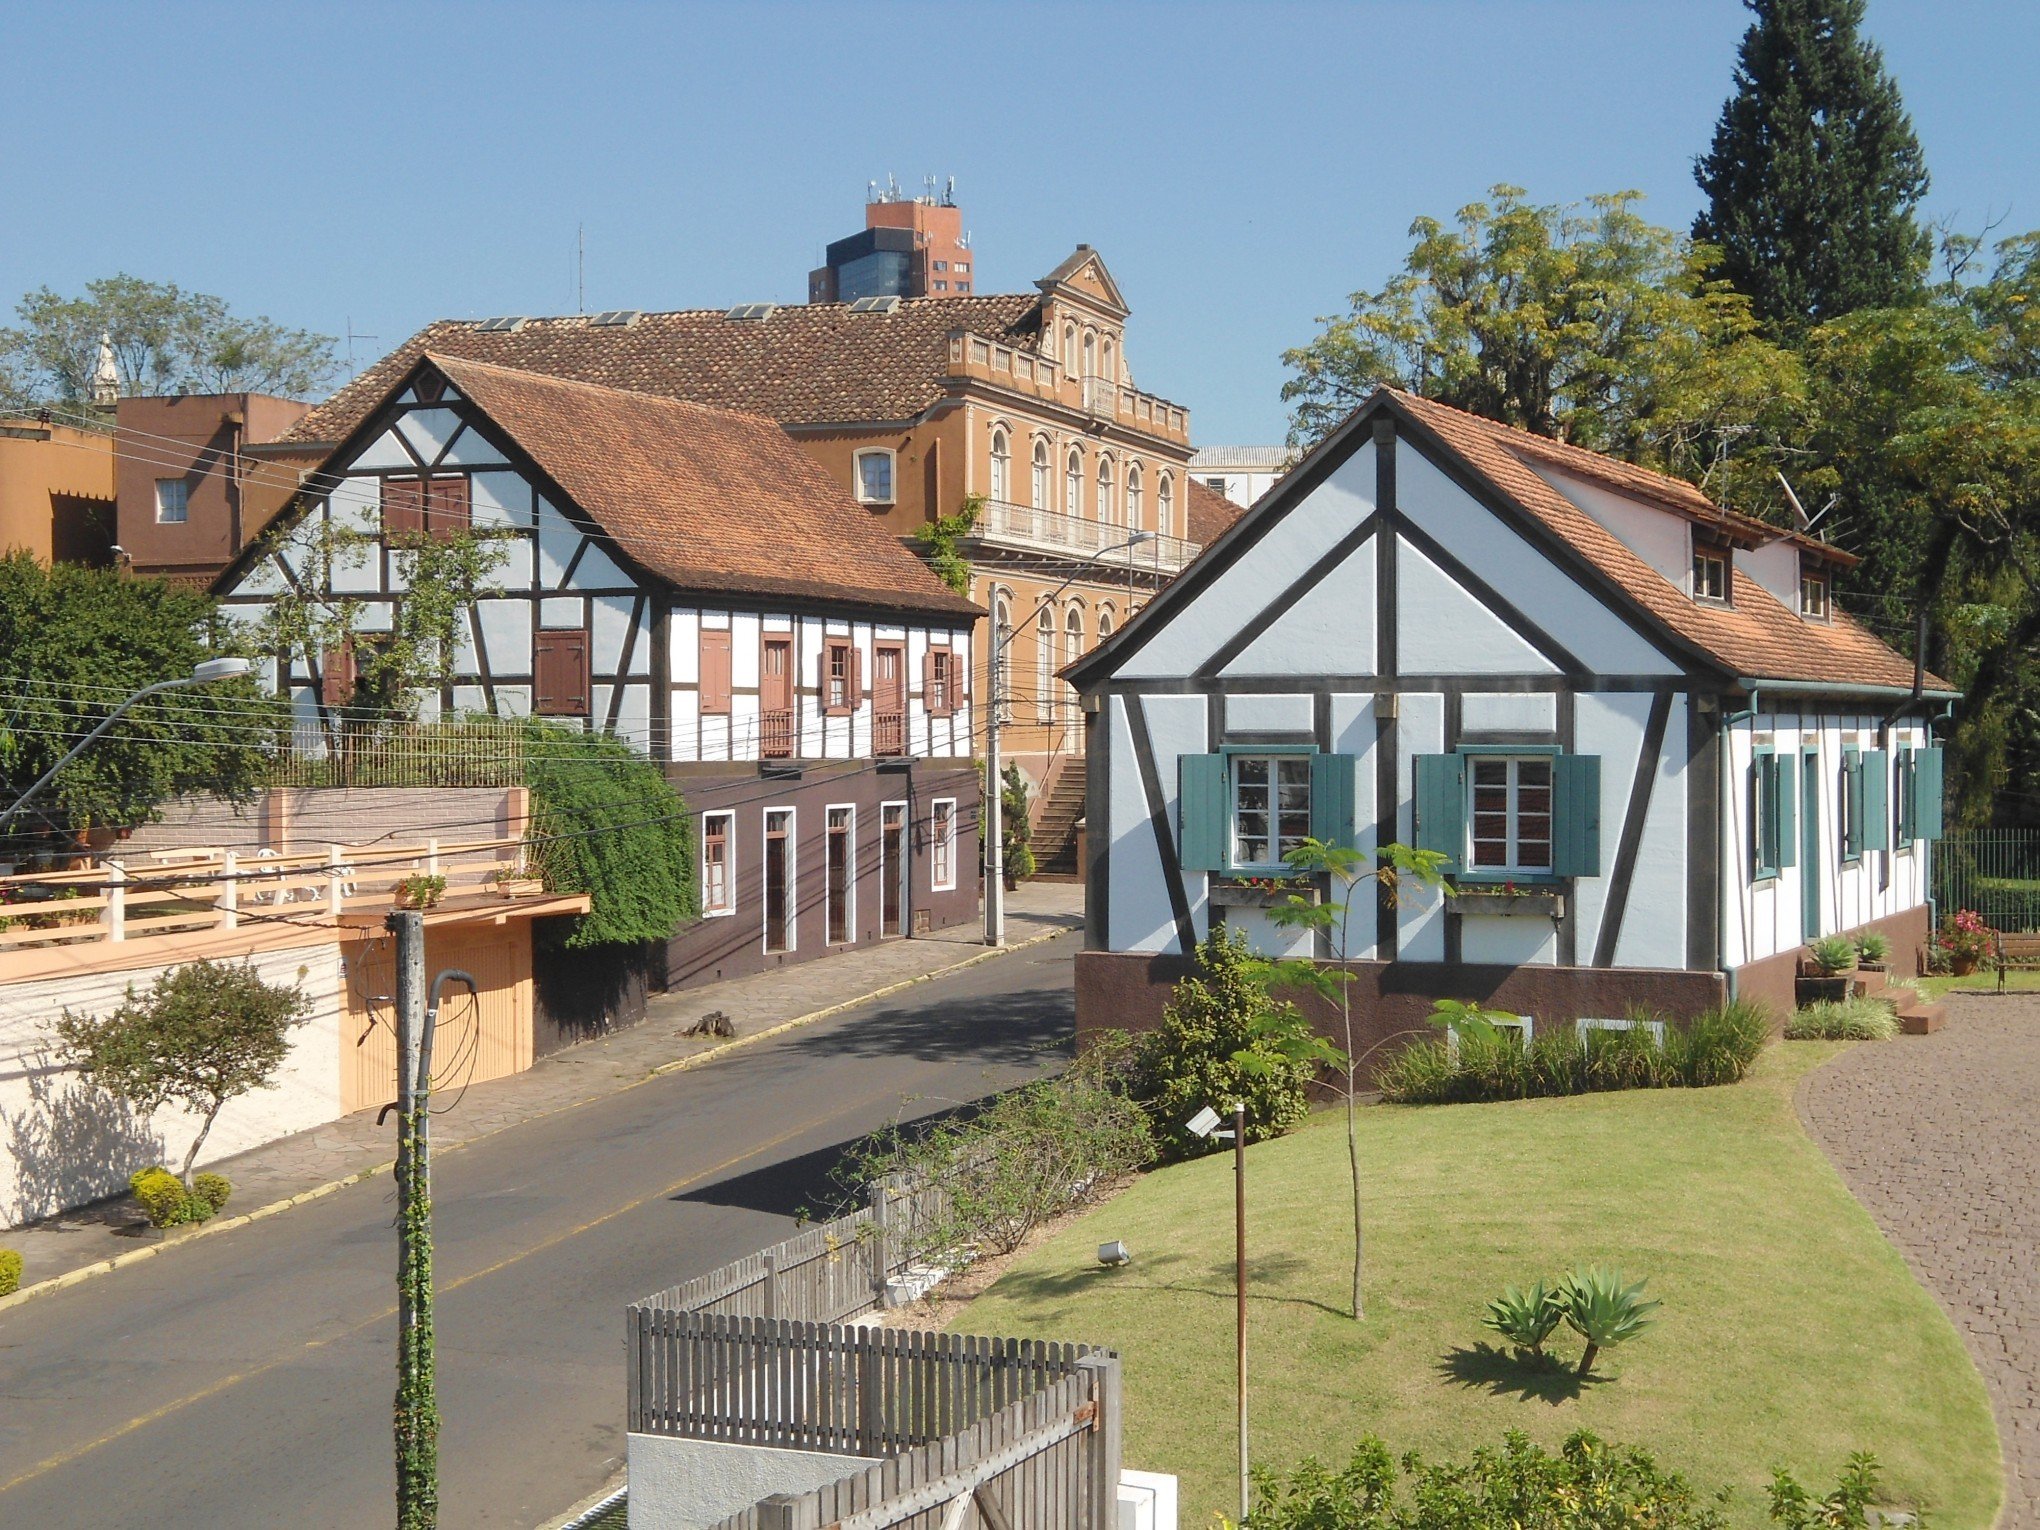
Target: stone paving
{"points": [[1937, 1137], [355, 1144]]}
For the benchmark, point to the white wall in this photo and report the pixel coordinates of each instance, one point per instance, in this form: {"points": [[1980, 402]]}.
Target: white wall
{"points": [[692, 1484], [64, 1143], [1662, 538]]}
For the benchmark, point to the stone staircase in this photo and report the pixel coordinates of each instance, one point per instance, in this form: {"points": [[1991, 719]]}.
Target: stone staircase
{"points": [[1917, 1016], [1055, 825]]}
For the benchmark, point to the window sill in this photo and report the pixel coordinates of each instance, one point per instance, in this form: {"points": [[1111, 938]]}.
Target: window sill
{"points": [[1236, 895], [1540, 905]]}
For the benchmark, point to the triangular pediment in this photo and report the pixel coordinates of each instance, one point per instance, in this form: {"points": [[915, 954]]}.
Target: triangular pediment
{"points": [[1084, 276]]}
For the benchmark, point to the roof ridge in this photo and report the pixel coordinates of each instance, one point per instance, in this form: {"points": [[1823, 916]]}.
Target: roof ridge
{"points": [[448, 363]]}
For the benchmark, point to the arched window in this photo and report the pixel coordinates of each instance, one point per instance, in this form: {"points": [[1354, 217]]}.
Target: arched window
{"points": [[1073, 484], [1069, 354], [1041, 475], [1044, 640], [1104, 624], [1165, 507], [1105, 360], [1105, 489], [1133, 498], [1073, 650], [1002, 467], [1090, 353], [1002, 654]]}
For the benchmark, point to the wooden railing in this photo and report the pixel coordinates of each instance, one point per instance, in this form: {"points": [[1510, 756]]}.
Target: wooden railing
{"points": [[888, 733], [181, 891], [775, 735]]}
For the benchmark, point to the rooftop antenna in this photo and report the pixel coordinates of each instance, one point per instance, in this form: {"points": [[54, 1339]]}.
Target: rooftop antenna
{"points": [[871, 191], [949, 193], [353, 335], [1798, 510], [580, 268]]}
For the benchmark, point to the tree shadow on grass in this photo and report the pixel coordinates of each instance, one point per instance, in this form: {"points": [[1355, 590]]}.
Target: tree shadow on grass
{"points": [[1171, 1274], [1512, 1373]]}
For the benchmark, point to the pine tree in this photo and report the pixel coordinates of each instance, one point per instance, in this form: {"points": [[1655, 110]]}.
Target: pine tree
{"points": [[1814, 172]]}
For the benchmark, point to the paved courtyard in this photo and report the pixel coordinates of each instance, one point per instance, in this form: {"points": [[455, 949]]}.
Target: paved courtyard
{"points": [[1936, 1136]]}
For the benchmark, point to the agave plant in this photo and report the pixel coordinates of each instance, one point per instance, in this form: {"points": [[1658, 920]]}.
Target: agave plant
{"points": [[1526, 1318], [1603, 1310]]}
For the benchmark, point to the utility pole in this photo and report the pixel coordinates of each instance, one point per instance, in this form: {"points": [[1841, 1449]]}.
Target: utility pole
{"points": [[417, 1408], [1239, 1140]]}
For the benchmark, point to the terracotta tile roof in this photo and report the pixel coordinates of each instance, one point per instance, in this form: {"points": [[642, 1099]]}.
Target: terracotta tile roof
{"points": [[707, 498], [804, 364], [1208, 512], [1756, 636]]}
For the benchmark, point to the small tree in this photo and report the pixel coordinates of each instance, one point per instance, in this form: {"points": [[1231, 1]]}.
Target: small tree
{"points": [[1395, 866], [204, 1034]]}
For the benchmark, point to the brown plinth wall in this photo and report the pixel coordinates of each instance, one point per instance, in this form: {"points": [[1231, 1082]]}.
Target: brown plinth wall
{"points": [[1392, 1000], [1769, 982]]}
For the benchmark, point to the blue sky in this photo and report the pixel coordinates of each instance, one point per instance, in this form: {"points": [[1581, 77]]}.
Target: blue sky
{"points": [[1241, 168]]}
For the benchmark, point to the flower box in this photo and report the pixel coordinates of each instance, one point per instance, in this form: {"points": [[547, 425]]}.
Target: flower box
{"points": [[521, 887], [1539, 905], [1254, 895]]}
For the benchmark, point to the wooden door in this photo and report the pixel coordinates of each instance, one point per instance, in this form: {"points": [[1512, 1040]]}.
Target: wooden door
{"points": [[889, 699], [775, 697], [475, 1039]]}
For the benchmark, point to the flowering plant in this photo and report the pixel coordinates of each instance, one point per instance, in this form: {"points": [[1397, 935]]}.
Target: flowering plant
{"points": [[1963, 933], [1272, 884]]}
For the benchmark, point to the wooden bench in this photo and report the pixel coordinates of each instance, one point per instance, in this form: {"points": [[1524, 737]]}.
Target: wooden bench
{"points": [[2015, 950]]}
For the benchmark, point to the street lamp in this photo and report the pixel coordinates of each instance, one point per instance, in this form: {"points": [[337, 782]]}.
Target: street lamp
{"points": [[995, 795], [1205, 1124], [204, 673]]}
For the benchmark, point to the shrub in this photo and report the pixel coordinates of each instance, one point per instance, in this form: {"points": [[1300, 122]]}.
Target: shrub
{"points": [[1602, 1310], [1873, 948], [1844, 1020], [1526, 1318], [1029, 1155], [211, 1191], [1714, 1048], [1964, 935], [10, 1271], [1222, 1039], [164, 1198], [1846, 1508], [1833, 954]]}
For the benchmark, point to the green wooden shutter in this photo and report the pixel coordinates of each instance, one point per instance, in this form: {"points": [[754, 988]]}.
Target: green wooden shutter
{"points": [[1441, 806], [1331, 798], [1576, 815], [1852, 804], [1929, 813], [1904, 785], [1788, 808], [1201, 810], [1875, 833]]}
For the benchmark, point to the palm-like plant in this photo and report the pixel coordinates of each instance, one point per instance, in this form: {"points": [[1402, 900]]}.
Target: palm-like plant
{"points": [[1526, 1318], [1605, 1311]]}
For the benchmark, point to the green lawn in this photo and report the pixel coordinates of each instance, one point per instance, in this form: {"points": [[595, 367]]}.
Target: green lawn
{"points": [[2017, 980], [1792, 1333]]}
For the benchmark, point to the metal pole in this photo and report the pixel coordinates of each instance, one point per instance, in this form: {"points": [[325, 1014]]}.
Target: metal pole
{"points": [[1239, 1121], [417, 1420], [994, 816]]}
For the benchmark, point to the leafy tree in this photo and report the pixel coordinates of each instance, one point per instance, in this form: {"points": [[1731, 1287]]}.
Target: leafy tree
{"points": [[938, 543], [204, 1034], [1588, 324], [164, 339], [1814, 172], [76, 641], [605, 821], [1394, 869]]}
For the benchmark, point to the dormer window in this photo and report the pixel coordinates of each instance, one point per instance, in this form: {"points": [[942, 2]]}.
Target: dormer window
{"points": [[1710, 573], [1813, 594]]}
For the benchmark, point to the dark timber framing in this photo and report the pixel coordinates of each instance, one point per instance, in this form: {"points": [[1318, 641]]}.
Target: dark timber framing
{"points": [[1387, 792], [1158, 820]]}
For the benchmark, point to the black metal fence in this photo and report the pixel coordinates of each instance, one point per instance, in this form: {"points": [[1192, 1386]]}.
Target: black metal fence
{"points": [[1993, 871]]}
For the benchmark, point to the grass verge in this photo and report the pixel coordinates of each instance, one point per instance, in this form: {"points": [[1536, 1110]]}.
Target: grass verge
{"points": [[1792, 1333]]}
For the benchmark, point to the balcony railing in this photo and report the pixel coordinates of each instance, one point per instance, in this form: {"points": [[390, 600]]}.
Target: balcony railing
{"points": [[1024, 526], [888, 733], [775, 736]]}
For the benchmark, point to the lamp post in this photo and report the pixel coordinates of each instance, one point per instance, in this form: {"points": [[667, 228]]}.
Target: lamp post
{"points": [[205, 673], [995, 786], [1205, 1124]]}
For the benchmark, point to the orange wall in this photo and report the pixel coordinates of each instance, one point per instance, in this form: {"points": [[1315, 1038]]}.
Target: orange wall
{"points": [[52, 478], [196, 438]]}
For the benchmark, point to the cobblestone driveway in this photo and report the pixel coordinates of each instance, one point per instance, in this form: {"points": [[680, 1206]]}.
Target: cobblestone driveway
{"points": [[1939, 1136]]}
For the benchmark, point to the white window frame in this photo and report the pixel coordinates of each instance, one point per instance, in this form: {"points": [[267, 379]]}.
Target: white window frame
{"points": [[174, 507], [1042, 483], [849, 872], [1073, 483], [942, 844], [901, 873], [1821, 582], [1514, 865], [792, 882], [892, 482], [1586, 1023], [1719, 557], [729, 822], [1524, 1025], [1274, 758], [1002, 464]]}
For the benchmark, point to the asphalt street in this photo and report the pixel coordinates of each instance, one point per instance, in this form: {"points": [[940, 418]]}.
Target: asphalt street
{"points": [[246, 1380]]}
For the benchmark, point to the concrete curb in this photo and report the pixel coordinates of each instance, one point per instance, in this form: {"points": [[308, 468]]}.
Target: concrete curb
{"points": [[680, 1065]]}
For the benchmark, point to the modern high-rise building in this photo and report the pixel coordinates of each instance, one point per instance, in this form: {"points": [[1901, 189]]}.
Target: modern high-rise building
{"points": [[909, 247]]}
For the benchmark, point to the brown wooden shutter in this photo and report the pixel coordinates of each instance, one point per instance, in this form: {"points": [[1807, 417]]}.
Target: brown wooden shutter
{"points": [[561, 685], [928, 680], [856, 677], [337, 676], [403, 506], [447, 507], [941, 682], [715, 671]]}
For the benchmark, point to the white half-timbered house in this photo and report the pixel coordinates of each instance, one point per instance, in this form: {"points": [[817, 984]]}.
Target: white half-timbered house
{"points": [[687, 579], [1658, 758]]}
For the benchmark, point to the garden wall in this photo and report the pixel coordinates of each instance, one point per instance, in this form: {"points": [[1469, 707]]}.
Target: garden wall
{"points": [[300, 818], [1770, 981], [64, 1144]]}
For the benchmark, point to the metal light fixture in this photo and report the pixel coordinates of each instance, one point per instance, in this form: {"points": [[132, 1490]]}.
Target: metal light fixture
{"points": [[1114, 1254], [1206, 1124]]}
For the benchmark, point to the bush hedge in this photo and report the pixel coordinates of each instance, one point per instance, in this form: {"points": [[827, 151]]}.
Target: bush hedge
{"points": [[10, 1271], [1844, 1020], [1715, 1048], [168, 1204]]}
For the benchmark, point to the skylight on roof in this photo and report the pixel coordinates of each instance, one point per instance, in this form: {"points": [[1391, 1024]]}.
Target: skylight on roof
{"points": [[751, 311], [508, 324], [875, 305], [615, 318]]}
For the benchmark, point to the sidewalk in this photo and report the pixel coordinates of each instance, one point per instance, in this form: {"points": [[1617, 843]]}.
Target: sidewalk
{"points": [[308, 1164]]}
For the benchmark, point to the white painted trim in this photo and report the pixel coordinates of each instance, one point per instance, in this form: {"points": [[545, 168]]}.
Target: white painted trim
{"points": [[729, 862], [892, 474], [792, 931], [947, 844], [849, 873], [1586, 1023]]}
